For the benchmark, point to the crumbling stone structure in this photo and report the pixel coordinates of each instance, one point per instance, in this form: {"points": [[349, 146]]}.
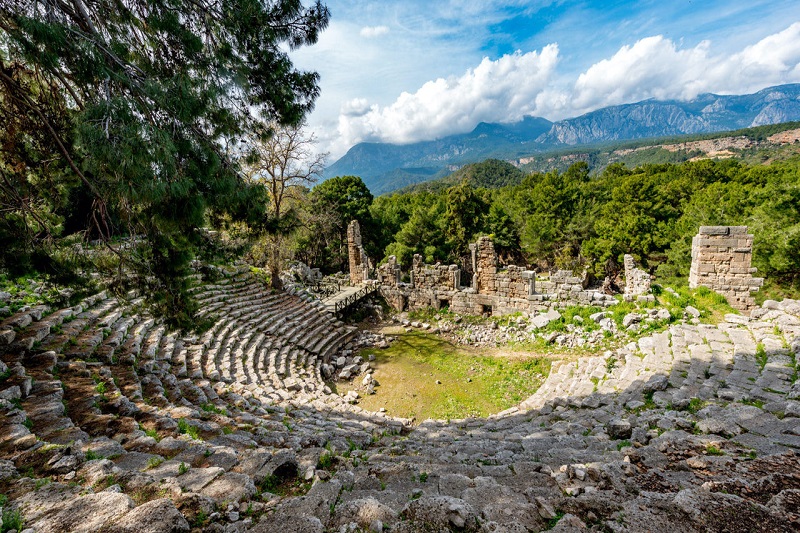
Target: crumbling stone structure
{"points": [[563, 283], [390, 273], [438, 276], [721, 258], [637, 281], [494, 291], [514, 282], [359, 262]]}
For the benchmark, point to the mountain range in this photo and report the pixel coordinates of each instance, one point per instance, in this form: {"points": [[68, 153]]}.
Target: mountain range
{"points": [[386, 167]]}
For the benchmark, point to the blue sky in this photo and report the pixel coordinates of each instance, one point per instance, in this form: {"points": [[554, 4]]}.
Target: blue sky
{"points": [[409, 70]]}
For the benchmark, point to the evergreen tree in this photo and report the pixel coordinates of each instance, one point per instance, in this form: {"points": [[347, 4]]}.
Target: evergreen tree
{"points": [[141, 104], [464, 218], [343, 198]]}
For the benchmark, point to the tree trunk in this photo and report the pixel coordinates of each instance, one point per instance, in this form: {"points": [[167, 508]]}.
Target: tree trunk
{"points": [[275, 263]]}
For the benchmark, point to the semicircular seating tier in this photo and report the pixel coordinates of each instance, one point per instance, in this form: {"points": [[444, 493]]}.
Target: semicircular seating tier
{"points": [[111, 421]]}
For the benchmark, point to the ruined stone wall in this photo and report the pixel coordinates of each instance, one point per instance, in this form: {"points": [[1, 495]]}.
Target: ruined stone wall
{"points": [[637, 281], [434, 277], [721, 258], [389, 276], [493, 291], [513, 282], [516, 282], [359, 262], [485, 262], [562, 283], [389, 273]]}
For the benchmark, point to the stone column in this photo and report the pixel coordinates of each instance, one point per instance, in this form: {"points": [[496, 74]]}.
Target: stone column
{"points": [[486, 266], [530, 275], [472, 249], [721, 258], [359, 263], [637, 281], [455, 277]]}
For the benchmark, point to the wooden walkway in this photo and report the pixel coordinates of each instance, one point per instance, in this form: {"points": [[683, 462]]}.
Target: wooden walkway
{"points": [[337, 303]]}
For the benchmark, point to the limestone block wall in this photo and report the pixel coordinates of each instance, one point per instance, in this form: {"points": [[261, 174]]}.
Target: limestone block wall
{"points": [[515, 282], [389, 274], [485, 263], [637, 281], [721, 261], [396, 297], [493, 291], [562, 282], [434, 277]]}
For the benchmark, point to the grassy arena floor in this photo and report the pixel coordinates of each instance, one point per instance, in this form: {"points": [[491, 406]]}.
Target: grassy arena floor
{"points": [[474, 382]]}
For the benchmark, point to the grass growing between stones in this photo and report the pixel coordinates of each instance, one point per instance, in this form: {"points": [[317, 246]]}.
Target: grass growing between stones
{"points": [[472, 381], [712, 305]]}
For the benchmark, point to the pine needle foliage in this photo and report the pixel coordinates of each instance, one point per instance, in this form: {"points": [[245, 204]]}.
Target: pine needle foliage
{"points": [[124, 119]]}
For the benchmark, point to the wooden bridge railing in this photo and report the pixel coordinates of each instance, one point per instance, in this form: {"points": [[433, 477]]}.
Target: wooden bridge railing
{"points": [[363, 292]]}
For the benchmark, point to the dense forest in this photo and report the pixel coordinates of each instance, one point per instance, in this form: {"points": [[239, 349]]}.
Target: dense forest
{"points": [[572, 219]]}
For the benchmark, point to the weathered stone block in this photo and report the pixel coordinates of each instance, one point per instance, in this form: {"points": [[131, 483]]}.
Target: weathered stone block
{"points": [[721, 259], [715, 230]]}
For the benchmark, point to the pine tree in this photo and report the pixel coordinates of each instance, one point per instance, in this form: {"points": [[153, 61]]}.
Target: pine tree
{"points": [[135, 104]]}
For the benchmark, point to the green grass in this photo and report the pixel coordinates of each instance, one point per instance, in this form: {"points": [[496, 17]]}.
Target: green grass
{"points": [[187, 429], [91, 455], [325, 461], [713, 450], [754, 402], [761, 356], [472, 382], [568, 315], [33, 289], [695, 404], [778, 290], [554, 521], [712, 306], [12, 520], [211, 408]]}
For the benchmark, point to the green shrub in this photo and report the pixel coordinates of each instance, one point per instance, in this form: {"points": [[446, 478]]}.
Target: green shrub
{"points": [[187, 429], [12, 520], [325, 461]]}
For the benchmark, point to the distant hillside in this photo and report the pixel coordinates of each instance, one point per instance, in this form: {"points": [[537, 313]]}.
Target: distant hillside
{"points": [[387, 167], [752, 145], [762, 144], [491, 174], [377, 163]]}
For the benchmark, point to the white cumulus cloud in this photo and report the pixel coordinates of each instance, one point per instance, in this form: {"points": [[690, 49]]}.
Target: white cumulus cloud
{"points": [[655, 67], [495, 91], [370, 32], [520, 84]]}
